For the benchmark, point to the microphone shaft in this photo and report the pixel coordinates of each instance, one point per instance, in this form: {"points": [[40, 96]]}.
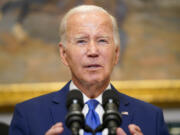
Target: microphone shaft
{"points": [[75, 128]]}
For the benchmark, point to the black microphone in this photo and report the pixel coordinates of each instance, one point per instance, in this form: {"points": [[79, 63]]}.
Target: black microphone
{"points": [[75, 118], [111, 118]]}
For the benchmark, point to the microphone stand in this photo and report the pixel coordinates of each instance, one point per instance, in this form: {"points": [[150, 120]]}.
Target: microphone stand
{"points": [[100, 128], [88, 129]]}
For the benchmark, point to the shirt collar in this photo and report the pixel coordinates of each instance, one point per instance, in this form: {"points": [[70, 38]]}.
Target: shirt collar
{"points": [[72, 86]]}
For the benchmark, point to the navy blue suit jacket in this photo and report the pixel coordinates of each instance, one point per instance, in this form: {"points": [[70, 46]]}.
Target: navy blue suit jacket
{"points": [[36, 116]]}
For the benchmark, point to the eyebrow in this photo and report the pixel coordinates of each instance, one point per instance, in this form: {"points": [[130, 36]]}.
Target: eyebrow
{"points": [[84, 36], [103, 36], [80, 36]]}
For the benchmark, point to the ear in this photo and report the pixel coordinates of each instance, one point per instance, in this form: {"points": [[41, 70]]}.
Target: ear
{"points": [[117, 52], [63, 54]]}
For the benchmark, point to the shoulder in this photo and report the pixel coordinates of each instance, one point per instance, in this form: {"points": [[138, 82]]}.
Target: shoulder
{"points": [[138, 105], [37, 102], [44, 101]]}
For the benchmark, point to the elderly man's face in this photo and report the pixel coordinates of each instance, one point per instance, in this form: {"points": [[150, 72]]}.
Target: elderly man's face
{"points": [[90, 52]]}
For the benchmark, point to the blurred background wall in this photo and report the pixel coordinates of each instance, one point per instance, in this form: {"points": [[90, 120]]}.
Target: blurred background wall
{"points": [[149, 32], [149, 29]]}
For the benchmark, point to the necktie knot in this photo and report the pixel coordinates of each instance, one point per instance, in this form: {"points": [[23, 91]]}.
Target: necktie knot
{"points": [[92, 104]]}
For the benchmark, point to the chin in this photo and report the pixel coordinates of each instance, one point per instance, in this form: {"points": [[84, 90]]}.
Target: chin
{"points": [[94, 80]]}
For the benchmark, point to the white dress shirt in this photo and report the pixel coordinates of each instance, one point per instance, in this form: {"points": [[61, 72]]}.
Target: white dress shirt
{"points": [[99, 109]]}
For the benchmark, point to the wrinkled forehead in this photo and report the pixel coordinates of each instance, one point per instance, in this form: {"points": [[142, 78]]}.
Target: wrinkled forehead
{"points": [[90, 19]]}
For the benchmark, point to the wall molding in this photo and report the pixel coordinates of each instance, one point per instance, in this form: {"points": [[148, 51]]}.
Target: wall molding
{"points": [[163, 93]]}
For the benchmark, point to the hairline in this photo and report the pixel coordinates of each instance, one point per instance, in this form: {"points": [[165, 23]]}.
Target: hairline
{"points": [[83, 9]]}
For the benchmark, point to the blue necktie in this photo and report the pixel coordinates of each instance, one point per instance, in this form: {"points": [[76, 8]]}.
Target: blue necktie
{"points": [[92, 118]]}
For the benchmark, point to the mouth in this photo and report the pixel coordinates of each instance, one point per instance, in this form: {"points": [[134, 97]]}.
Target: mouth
{"points": [[93, 66]]}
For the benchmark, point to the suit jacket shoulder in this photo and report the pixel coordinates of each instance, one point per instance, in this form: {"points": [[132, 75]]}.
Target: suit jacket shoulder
{"points": [[37, 115], [147, 116]]}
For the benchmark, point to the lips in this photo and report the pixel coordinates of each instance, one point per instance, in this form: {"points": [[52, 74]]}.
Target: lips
{"points": [[92, 66]]}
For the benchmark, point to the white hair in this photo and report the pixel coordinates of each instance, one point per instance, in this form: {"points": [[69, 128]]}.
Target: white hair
{"points": [[87, 8]]}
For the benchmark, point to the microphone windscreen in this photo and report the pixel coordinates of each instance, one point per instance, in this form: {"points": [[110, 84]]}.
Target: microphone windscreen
{"points": [[110, 95], [74, 95]]}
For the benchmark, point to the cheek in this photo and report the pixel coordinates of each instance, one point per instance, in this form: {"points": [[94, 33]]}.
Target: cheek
{"points": [[109, 60], [109, 56], [75, 60]]}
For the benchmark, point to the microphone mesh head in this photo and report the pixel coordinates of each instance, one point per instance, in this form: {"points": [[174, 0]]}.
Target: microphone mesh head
{"points": [[110, 95], [74, 95]]}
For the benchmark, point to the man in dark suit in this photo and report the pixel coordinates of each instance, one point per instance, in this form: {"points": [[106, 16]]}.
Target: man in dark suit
{"points": [[90, 48]]}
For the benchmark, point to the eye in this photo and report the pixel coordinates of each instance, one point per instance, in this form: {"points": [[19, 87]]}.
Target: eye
{"points": [[81, 41], [103, 41]]}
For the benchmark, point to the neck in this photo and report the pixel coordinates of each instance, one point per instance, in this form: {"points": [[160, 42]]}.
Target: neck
{"points": [[92, 90]]}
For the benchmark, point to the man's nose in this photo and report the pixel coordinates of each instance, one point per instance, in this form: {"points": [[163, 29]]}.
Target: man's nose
{"points": [[92, 50]]}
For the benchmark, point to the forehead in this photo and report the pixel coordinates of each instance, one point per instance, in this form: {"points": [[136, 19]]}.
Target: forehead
{"points": [[90, 20]]}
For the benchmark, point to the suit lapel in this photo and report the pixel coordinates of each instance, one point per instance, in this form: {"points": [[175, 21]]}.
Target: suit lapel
{"points": [[127, 116], [125, 110], [58, 109]]}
